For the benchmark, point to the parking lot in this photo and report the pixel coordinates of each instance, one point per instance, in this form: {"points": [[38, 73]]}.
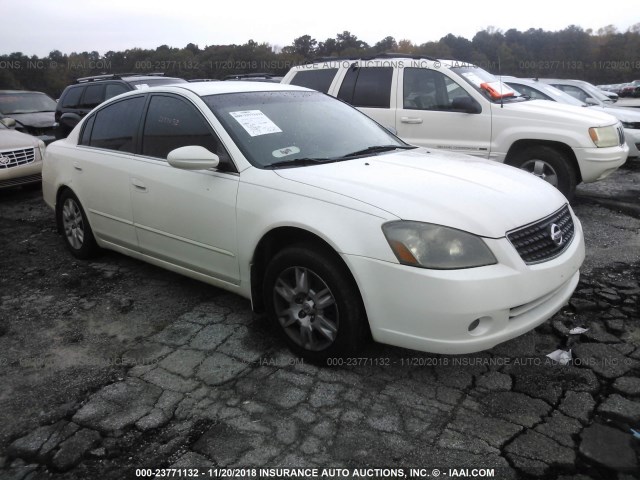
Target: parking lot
{"points": [[114, 365]]}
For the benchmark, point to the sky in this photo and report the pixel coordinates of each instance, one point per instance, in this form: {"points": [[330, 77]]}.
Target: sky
{"points": [[37, 27]]}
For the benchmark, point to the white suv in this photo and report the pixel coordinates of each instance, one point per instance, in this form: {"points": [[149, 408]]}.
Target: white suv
{"points": [[459, 107]]}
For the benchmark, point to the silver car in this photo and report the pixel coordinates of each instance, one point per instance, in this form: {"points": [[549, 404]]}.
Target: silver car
{"points": [[20, 158], [580, 93]]}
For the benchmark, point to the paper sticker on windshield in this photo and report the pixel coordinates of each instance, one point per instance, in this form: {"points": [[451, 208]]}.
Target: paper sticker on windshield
{"points": [[141, 86], [283, 152], [473, 78], [255, 122]]}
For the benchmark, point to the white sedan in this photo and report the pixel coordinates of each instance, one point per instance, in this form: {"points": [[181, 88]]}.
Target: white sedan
{"points": [[321, 217]]}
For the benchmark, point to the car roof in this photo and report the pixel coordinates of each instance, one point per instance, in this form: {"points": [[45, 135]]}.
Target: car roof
{"points": [[229, 86], [19, 91]]}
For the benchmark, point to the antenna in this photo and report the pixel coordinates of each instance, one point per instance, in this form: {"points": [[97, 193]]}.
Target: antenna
{"points": [[500, 80]]}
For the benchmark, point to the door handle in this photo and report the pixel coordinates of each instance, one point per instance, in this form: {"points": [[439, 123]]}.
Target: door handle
{"points": [[410, 120], [138, 184], [77, 166]]}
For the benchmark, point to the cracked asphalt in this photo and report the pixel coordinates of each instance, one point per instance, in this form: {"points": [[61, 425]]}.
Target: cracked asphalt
{"points": [[114, 365]]}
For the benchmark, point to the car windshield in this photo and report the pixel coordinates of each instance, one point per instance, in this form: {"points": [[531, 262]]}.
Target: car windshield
{"points": [[558, 95], [292, 128], [26, 102], [595, 92], [486, 83]]}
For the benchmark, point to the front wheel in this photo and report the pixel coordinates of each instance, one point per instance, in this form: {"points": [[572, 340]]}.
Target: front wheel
{"points": [[548, 164], [314, 302]]}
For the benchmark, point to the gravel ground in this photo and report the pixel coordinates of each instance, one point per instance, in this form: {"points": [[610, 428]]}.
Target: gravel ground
{"points": [[113, 365]]}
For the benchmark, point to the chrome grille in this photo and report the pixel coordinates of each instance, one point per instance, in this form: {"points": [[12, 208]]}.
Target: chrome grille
{"points": [[15, 158], [621, 135], [535, 243]]}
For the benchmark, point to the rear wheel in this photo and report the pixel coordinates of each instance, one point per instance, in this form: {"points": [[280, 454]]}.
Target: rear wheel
{"points": [[75, 228], [314, 302], [550, 165]]}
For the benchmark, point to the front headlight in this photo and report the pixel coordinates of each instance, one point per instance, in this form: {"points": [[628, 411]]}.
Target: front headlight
{"points": [[41, 147], [434, 246], [604, 136]]}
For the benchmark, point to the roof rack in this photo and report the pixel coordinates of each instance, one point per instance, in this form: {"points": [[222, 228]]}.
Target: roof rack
{"points": [[249, 75], [374, 57], [117, 76]]}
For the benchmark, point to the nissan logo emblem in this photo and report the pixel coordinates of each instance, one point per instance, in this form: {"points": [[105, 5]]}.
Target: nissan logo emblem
{"points": [[556, 234], [4, 160]]}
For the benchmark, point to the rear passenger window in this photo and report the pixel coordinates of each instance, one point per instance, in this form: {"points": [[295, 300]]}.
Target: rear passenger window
{"points": [[319, 80], [172, 123], [85, 139], [115, 126], [72, 97], [93, 96], [367, 87]]}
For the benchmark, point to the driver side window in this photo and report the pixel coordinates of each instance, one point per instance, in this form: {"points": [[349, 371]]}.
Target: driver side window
{"points": [[425, 89], [173, 123]]}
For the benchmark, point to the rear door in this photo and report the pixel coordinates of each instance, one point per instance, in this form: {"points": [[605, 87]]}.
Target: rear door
{"points": [[101, 170], [372, 91]]}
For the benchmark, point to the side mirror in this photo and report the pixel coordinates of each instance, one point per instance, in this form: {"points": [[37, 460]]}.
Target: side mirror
{"points": [[193, 157], [591, 101], [466, 105], [8, 122]]}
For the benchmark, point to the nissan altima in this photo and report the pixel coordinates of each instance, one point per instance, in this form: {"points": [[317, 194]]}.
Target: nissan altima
{"points": [[330, 224]]}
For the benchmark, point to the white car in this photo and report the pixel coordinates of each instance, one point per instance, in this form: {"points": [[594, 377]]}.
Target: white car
{"points": [[459, 107], [321, 217], [584, 94], [20, 158]]}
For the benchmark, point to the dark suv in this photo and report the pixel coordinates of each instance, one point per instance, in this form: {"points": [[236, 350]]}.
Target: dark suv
{"points": [[86, 93]]}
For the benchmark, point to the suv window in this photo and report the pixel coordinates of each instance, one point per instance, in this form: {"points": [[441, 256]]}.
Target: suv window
{"points": [[72, 98], [367, 87], [93, 96], [113, 89], [115, 126], [173, 123], [425, 89], [319, 80]]}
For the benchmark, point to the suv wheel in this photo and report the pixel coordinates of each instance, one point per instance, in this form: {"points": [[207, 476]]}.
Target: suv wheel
{"points": [[550, 165], [314, 303], [75, 228]]}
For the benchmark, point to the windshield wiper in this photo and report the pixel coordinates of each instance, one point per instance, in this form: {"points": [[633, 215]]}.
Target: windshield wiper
{"points": [[299, 162], [377, 149]]}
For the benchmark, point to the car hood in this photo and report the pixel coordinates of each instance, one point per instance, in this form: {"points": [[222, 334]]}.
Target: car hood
{"points": [[12, 139], [555, 112], [624, 114], [476, 195], [34, 120]]}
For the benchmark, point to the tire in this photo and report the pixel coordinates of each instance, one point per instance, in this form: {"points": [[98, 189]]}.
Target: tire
{"points": [[549, 164], [314, 302], [75, 228]]}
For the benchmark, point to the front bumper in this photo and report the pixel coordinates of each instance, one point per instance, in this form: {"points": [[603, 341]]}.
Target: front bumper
{"points": [[598, 163], [21, 175], [432, 310], [632, 136]]}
